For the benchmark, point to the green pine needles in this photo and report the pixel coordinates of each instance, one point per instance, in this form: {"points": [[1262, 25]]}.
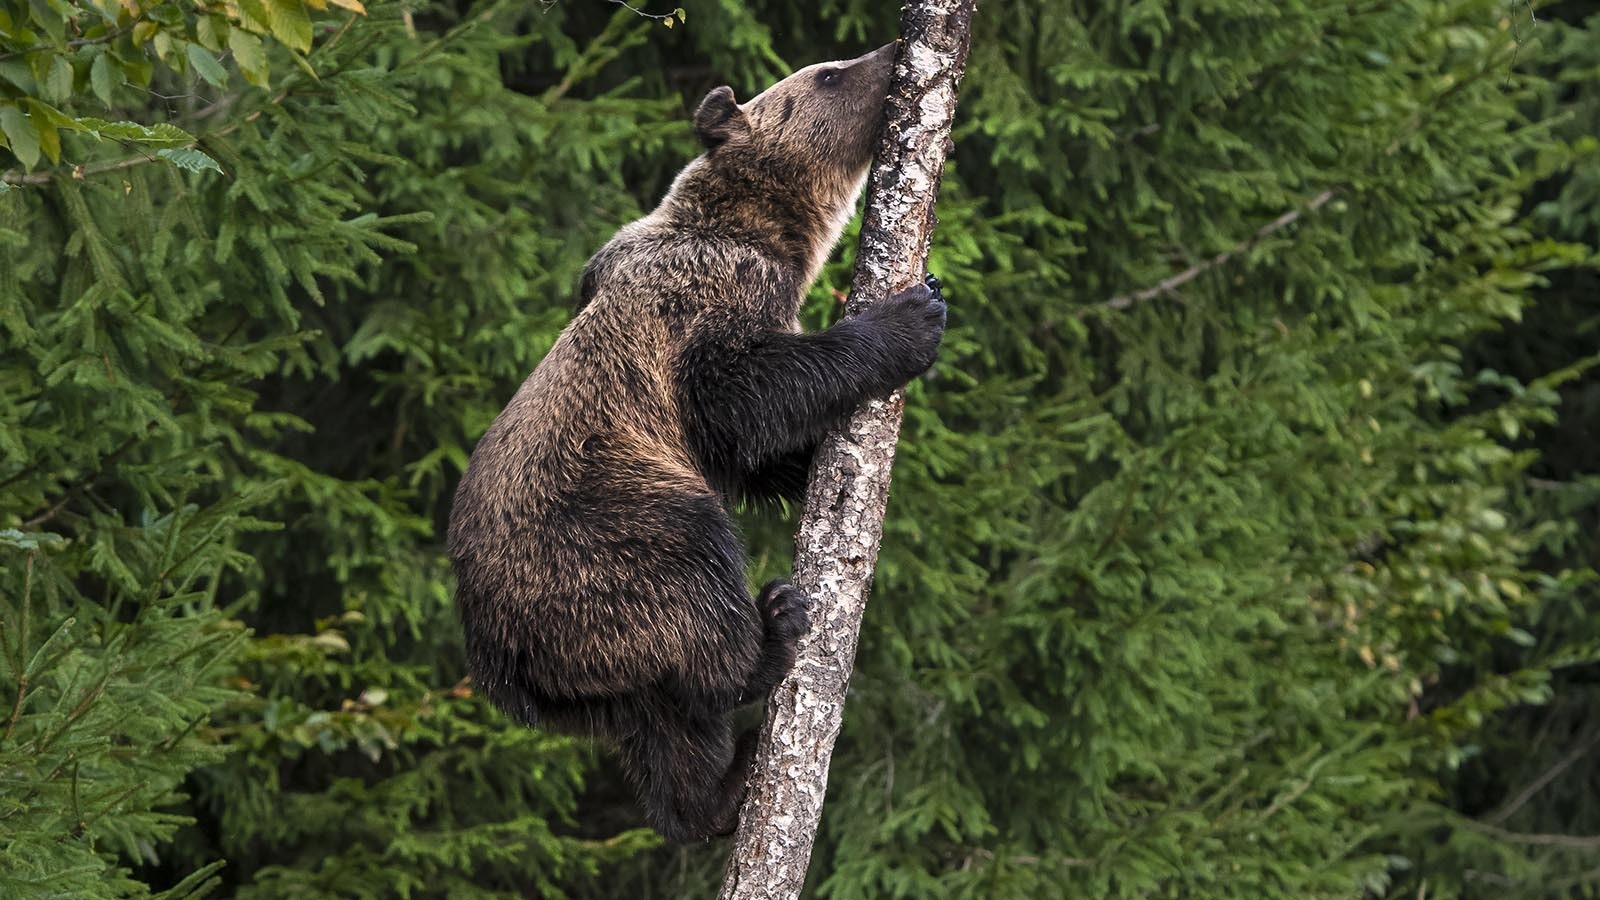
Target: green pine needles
{"points": [[1241, 542]]}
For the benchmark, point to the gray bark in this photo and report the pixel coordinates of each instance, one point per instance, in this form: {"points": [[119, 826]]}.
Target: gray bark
{"points": [[837, 541]]}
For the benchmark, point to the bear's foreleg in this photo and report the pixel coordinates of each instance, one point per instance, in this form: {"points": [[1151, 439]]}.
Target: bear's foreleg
{"points": [[749, 400]]}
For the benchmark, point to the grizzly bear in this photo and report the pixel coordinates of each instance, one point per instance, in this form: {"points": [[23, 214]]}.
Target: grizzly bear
{"points": [[600, 578]]}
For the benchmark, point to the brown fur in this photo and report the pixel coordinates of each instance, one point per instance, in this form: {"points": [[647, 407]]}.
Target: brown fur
{"points": [[600, 578]]}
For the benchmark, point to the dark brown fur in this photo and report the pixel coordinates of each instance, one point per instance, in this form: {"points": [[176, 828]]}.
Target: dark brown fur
{"points": [[600, 580]]}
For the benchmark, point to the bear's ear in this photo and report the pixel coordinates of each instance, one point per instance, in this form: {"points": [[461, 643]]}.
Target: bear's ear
{"points": [[719, 118]]}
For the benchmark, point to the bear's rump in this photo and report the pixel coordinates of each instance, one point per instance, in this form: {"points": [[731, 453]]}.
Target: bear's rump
{"points": [[610, 598]]}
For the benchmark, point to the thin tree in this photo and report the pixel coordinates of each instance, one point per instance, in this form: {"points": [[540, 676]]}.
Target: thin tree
{"points": [[842, 522]]}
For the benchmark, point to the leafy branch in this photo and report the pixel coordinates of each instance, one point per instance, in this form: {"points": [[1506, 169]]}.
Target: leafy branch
{"points": [[74, 43], [118, 48]]}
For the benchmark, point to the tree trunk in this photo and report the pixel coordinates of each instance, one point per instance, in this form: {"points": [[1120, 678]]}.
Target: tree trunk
{"points": [[837, 541]]}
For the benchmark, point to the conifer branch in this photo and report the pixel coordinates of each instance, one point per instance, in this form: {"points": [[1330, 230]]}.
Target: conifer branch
{"points": [[73, 490], [1522, 797], [1168, 285], [1414, 126], [1570, 841], [842, 522], [22, 643]]}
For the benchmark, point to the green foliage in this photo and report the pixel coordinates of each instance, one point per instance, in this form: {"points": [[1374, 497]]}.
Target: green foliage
{"points": [[59, 57], [1527, 782], [1240, 543]]}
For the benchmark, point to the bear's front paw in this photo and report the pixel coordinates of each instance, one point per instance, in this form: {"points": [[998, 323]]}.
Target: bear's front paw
{"points": [[915, 319], [785, 608]]}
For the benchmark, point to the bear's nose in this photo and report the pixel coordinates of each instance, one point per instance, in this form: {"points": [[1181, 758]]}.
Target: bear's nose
{"points": [[882, 56]]}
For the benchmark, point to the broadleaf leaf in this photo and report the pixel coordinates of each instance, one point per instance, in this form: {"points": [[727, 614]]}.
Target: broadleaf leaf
{"points": [[189, 158], [21, 134], [249, 56], [102, 80], [290, 24], [159, 134], [58, 86], [206, 66]]}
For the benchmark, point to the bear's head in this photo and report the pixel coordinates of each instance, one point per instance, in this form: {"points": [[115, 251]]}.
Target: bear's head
{"points": [[818, 126]]}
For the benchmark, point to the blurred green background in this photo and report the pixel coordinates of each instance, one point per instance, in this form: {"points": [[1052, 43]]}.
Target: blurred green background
{"points": [[1277, 581]]}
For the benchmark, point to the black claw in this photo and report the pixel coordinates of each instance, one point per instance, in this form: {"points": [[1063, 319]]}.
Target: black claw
{"points": [[786, 608], [780, 597], [934, 285]]}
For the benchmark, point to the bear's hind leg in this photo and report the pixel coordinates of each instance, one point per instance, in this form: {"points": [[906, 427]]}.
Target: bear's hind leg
{"points": [[689, 773]]}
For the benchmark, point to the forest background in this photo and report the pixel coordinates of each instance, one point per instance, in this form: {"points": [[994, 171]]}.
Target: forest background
{"points": [[1243, 542]]}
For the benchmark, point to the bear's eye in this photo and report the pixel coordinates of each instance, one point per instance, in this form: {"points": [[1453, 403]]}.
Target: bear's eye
{"points": [[828, 77]]}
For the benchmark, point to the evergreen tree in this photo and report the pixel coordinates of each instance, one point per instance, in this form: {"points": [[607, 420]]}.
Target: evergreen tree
{"points": [[1240, 543], [1532, 775]]}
